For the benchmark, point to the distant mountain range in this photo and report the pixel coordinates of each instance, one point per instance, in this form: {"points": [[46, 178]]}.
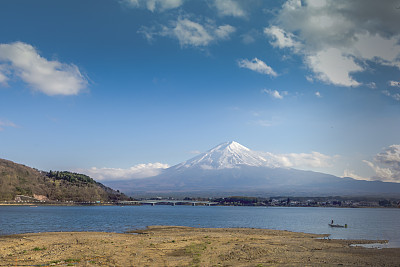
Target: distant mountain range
{"points": [[232, 169], [25, 183]]}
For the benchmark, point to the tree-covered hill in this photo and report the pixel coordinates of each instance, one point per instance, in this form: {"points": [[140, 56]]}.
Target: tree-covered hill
{"points": [[17, 179]]}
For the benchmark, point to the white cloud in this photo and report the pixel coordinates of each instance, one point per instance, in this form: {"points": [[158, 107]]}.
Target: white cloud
{"points": [[223, 32], [313, 159], [371, 85], [48, 77], [154, 5], [382, 174], [4, 72], [332, 66], [318, 94], [229, 8], [263, 123], [281, 38], [339, 37], [135, 172], [386, 164], [394, 83], [191, 33], [148, 32], [377, 48], [248, 38], [395, 96], [352, 174], [257, 65], [390, 156], [6, 123], [275, 94], [299, 160], [3, 79]]}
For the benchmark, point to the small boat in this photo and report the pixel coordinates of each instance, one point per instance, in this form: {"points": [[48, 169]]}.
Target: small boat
{"points": [[337, 225]]}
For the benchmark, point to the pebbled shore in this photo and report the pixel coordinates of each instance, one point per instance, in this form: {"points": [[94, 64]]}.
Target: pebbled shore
{"points": [[186, 246]]}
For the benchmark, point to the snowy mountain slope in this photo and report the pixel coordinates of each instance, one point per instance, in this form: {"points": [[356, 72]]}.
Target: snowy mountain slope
{"points": [[223, 156]]}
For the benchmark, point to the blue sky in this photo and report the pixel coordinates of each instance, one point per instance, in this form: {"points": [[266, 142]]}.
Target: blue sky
{"points": [[122, 88]]}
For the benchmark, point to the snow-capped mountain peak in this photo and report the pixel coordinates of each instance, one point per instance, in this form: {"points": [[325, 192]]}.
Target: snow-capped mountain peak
{"points": [[232, 168], [225, 155]]}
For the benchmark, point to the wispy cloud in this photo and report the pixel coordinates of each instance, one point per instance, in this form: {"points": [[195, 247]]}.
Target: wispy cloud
{"points": [[250, 37], [149, 33], [135, 172], [48, 77], [190, 32], [274, 93], [394, 83], [263, 123], [371, 85], [352, 174], [395, 96], [318, 94], [154, 5], [282, 39], [6, 123], [229, 8], [4, 72], [299, 160], [257, 65], [223, 32], [393, 92]]}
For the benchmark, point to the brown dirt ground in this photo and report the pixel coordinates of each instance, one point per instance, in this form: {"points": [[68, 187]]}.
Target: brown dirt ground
{"points": [[185, 246]]}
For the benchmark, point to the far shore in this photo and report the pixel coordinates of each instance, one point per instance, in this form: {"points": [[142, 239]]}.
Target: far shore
{"points": [[278, 201], [187, 246], [57, 204], [43, 204]]}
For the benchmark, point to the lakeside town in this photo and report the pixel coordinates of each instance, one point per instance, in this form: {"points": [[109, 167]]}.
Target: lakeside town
{"points": [[279, 201]]}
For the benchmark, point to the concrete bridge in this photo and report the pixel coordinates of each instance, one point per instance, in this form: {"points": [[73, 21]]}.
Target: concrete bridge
{"points": [[154, 202]]}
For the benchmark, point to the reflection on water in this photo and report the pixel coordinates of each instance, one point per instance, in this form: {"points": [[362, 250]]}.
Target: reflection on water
{"points": [[369, 224]]}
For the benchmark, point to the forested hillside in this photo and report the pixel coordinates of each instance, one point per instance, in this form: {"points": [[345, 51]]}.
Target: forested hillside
{"points": [[17, 179]]}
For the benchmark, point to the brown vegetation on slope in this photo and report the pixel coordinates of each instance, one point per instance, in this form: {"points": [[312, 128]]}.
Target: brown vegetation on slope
{"points": [[17, 179]]}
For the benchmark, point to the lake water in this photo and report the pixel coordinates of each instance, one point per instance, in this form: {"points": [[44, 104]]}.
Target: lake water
{"points": [[371, 224]]}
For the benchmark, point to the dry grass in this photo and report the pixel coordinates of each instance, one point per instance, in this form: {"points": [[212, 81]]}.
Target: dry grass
{"points": [[184, 246]]}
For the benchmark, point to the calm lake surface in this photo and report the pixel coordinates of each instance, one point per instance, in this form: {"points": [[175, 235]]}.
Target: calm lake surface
{"points": [[371, 224]]}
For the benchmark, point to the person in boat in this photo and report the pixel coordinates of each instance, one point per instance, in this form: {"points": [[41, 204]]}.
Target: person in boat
{"points": [[332, 222]]}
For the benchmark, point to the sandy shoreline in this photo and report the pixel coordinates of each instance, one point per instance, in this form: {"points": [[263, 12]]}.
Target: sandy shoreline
{"points": [[186, 246]]}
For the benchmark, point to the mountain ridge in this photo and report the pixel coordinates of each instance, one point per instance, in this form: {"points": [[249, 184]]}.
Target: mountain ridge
{"points": [[231, 168]]}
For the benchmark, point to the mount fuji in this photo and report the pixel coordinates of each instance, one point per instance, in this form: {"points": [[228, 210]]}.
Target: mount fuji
{"points": [[225, 156], [231, 168]]}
